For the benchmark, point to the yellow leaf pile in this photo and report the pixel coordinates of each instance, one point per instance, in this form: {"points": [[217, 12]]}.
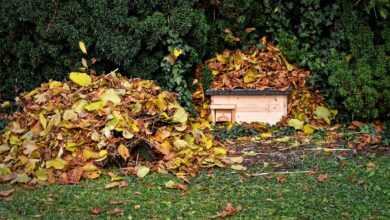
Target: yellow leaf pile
{"points": [[69, 131]]}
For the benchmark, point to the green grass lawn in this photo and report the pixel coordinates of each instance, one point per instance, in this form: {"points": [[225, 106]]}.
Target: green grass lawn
{"points": [[352, 191]]}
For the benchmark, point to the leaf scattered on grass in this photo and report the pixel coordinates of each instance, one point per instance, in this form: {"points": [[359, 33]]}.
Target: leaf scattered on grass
{"points": [[322, 178], [142, 171], [228, 210], [173, 185], [96, 211], [7, 193], [238, 167]]}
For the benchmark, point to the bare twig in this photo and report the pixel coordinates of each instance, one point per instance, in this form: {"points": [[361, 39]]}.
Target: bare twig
{"points": [[327, 149], [283, 172]]}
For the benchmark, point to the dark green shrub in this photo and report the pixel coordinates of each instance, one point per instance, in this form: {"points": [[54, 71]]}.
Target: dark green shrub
{"points": [[346, 44], [39, 39]]}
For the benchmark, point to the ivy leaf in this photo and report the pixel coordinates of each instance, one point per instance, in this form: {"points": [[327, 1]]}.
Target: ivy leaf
{"points": [[82, 46], [295, 123], [81, 79]]}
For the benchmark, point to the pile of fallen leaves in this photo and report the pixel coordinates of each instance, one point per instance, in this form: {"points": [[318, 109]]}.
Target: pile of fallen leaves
{"points": [[266, 68], [255, 68], [67, 131]]}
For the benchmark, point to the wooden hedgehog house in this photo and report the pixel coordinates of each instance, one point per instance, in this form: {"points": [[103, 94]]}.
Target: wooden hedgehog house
{"points": [[248, 105]]}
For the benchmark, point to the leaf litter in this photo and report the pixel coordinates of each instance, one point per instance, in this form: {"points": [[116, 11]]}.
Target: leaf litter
{"points": [[260, 69], [68, 131]]}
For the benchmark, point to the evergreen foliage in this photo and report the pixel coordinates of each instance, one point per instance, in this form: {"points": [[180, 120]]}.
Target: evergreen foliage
{"points": [[346, 44]]}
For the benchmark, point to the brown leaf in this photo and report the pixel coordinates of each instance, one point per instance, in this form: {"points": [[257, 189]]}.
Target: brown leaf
{"points": [[116, 212], [74, 175], [119, 184], [96, 211], [281, 179], [322, 178], [6, 193], [229, 210]]}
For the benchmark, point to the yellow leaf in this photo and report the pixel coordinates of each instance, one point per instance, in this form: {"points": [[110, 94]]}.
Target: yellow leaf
{"points": [[54, 84], [250, 76], [123, 151], [4, 170], [110, 95], [81, 79], [103, 154], [5, 104], [93, 106], [127, 134], [170, 184], [221, 58], [88, 154], [180, 144], [83, 48], [71, 146], [322, 112], [287, 64], [57, 164], [266, 135], [89, 167], [142, 171], [43, 120], [177, 52], [84, 62], [69, 115], [14, 140], [219, 151], [165, 147], [41, 174], [295, 123], [78, 107], [308, 129], [180, 115]]}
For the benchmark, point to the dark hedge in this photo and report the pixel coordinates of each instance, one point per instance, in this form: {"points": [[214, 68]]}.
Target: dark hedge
{"points": [[345, 43]]}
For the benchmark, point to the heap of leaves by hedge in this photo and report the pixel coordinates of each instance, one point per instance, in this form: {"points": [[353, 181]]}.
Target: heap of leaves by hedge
{"points": [[70, 130], [345, 44]]}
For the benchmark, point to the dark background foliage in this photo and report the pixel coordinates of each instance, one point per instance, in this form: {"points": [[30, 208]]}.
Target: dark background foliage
{"points": [[345, 43]]}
